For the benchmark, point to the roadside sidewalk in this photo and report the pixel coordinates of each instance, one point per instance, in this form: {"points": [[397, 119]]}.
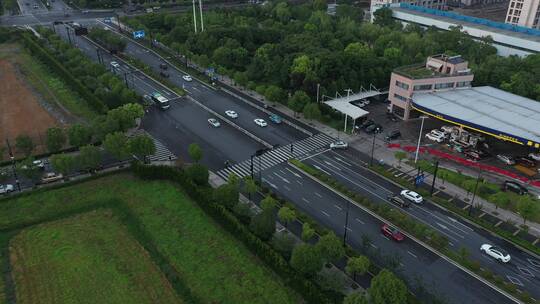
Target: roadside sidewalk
{"points": [[364, 142]]}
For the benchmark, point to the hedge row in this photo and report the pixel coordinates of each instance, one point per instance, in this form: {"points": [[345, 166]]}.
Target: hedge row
{"points": [[203, 197], [48, 59]]}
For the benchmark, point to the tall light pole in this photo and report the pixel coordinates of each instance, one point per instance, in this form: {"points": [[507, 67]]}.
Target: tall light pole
{"points": [[372, 149], [419, 139], [318, 87], [200, 11], [194, 17], [474, 193], [346, 227]]}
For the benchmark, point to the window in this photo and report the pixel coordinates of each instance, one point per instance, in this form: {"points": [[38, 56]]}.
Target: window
{"points": [[444, 85], [461, 84], [422, 87], [402, 85], [512, 5], [511, 12], [400, 97]]}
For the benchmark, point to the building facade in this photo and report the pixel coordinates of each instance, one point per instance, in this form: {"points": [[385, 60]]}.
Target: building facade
{"points": [[524, 13], [439, 72], [434, 4]]}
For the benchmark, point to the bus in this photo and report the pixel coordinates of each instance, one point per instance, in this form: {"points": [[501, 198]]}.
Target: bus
{"points": [[160, 101]]}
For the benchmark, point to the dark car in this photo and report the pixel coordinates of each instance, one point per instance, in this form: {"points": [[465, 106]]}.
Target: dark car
{"points": [[395, 134], [392, 233], [366, 123], [164, 74], [163, 66], [397, 200], [475, 155], [525, 162], [374, 128], [514, 187]]}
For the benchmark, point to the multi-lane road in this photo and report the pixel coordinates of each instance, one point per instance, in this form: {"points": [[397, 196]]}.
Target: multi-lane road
{"points": [[186, 122]]}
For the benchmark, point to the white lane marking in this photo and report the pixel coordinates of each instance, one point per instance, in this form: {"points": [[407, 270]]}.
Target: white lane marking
{"points": [[342, 161], [294, 173], [287, 188], [325, 213], [311, 156], [458, 222], [514, 280], [321, 169], [271, 185], [196, 89], [339, 208], [525, 271], [534, 262], [299, 182], [282, 178], [305, 200], [414, 255], [317, 194], [384, 236], [373, 246], [332, 165], [348, 229], [360, 221]]}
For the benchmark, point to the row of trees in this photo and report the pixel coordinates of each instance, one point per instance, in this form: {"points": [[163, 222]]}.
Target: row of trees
{"points": [[108, 39]]}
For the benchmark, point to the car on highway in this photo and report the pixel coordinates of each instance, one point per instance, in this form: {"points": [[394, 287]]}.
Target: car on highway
{"points": [[392, 233], [187, 78], [399, 201], [525, 162], [51, 177], [340, 144], [164, 74], [163, 66], [506, 159], [514, 187], [214, 122], [394, 134], [535, 156], [495, 252], [5, 189], [35, 6], [435, 135], [275, 119], [115, 64], [260, 122], [412, 196], [231, 114]]}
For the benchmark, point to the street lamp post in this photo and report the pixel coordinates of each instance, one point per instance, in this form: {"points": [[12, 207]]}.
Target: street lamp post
{"points": [[474, 193], [346, 227], [372, 149], [14, 171], [419, 139], [434, 177]]}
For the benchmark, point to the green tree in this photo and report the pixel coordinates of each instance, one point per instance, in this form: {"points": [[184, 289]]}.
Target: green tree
{"points": [[283, 243], [264, 224], [330, 247], [311, 111], [386, 288], [56, 139], [527, 207], [286, 215], [89, 158], [307, 232], [233, 180], [268, 203], [400, 156], [357, 265], [298, 101], [250, 187], [306, 259], [195, 152], [142, 146], [63, 163], [356, 298], [274, 94], [126, 115], [79, 135], [198, 173], [383, 17], [27, 169], [226, 195], [319, 5], [500, 199], [117, 144], [24, 145]]}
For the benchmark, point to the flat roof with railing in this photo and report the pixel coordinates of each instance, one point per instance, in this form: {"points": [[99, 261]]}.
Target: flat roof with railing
{"points": [[419, 71]]}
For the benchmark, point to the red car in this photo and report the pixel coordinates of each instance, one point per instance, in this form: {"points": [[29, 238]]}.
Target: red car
{"points": [[392, 233]]}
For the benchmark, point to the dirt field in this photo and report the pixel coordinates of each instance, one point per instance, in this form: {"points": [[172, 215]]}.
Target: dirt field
{"points": [[21, 112]]}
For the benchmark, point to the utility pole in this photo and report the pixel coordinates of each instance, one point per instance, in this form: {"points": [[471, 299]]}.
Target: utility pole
{"points": [[372, 149], [474, 193], [346, 224], [419, 138], [292, 154], [125, 79], [318, 87], [251, 165], [100, 59], [200, 11], [12, 157], [434, 177], [194, 17]]}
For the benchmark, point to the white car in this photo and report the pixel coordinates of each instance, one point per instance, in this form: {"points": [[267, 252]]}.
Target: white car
{"points": [[535, 156], [496, 253], [448, 129], [340, 144], [260, 122], [39, 163], [187, 78], [231, 114], [412, 196], [435, 137], [214, 122], [6, 189], [115, 64], [506, 159]]}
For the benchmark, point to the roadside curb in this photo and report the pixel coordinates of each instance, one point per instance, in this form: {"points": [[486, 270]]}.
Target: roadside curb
{"points": [[479, 278]]}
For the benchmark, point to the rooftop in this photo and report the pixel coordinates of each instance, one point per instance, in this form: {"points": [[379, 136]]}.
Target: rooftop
{"points": [[495, 111], [450, 59], [416, 71]]}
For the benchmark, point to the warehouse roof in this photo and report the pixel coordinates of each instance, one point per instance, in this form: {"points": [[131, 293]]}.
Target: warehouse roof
{"points": [[486, 109]]}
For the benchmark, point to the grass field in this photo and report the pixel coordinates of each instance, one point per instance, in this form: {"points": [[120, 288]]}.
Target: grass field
{"points": [[88, 258], [216, 267]]}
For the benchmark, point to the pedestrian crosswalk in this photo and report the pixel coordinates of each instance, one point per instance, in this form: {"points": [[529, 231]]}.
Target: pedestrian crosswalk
{"points": [[277, 156], [162, 153]]}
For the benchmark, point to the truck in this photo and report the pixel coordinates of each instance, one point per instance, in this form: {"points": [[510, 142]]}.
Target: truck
{"points": [[160, 101]]}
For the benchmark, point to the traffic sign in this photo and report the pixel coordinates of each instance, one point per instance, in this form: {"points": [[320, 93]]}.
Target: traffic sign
{"points": [[138, 34], [419, 179]]}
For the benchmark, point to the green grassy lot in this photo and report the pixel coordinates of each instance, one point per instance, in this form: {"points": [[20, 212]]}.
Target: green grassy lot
{"points": [[88, 258], [215, 266]]}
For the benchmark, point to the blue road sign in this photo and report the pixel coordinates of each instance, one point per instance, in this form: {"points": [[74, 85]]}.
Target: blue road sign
{"points": [[419, 179], [138, 34], [107, 20]]}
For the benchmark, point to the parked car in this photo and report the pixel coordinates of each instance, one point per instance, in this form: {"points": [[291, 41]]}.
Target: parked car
{"points": [[366, 123], [438, 132], [275, 118], [187, 78], [412, 196], [164, 74], [525, 162], [392, 233], [435, 137], [214, 122], [395, 134], [506, 159], [374, 128], [475, 155], [535, 156], [163, 66], [51, 177], [231, 114], [495, 252], [514, 187], [362, 103], [397, 200], [340, 144], [5, 189], [260, 122], [115, 64], [448, 129]]}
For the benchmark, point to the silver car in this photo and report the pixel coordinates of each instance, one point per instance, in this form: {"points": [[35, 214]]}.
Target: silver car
{"points": [[4, 189], [506, 159], [214, 122]]}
